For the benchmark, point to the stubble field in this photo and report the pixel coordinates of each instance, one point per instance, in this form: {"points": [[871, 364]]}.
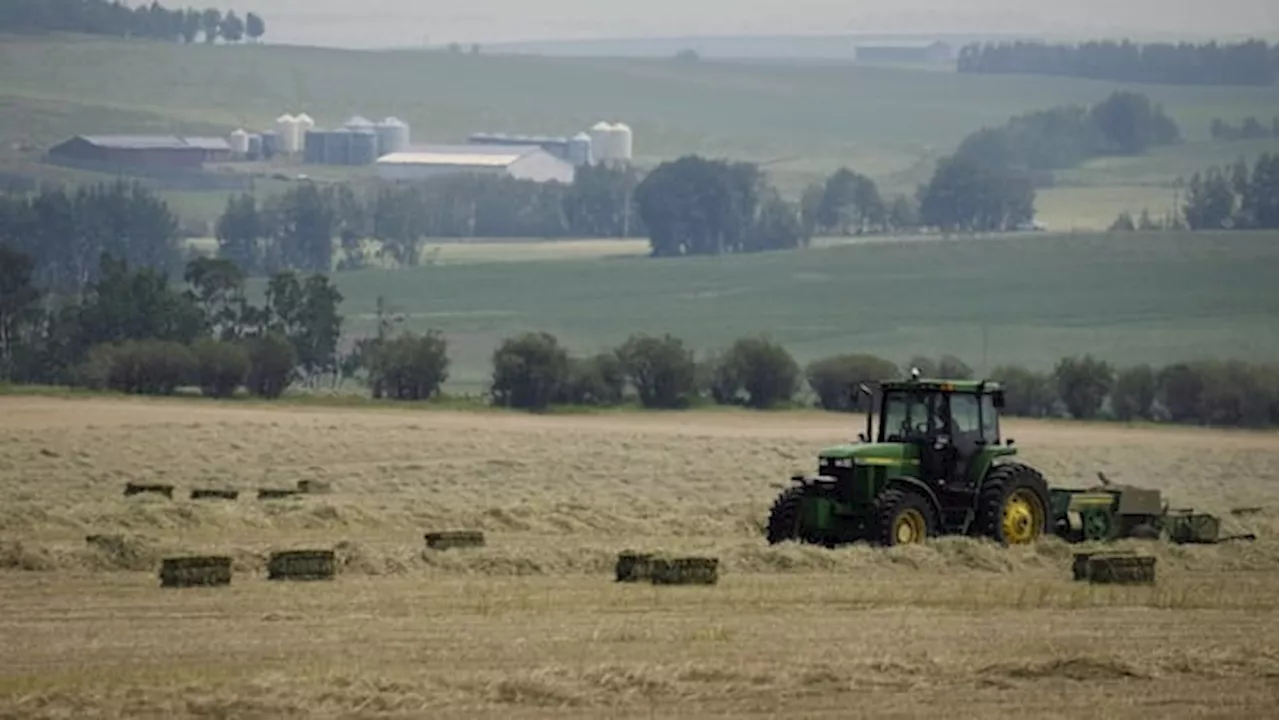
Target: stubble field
{"points": [[534, 626]]}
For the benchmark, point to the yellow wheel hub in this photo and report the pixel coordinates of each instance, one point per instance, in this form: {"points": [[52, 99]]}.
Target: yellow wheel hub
{"points": [[1023, 519], [908, 527]]}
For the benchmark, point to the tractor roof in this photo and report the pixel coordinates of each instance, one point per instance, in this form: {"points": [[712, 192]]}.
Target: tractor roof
{"points": [[942, 385]]}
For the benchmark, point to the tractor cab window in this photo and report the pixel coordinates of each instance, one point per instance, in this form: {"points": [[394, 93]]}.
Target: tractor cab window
{"points": [[990, 420], [964, 416], [907, 416]]}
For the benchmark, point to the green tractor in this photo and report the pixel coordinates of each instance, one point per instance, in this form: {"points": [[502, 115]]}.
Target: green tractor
{"points": [[937, 466]]}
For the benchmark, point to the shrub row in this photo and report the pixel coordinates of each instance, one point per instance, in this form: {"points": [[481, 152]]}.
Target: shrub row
{"points": [[262, 365], [533, 371]]}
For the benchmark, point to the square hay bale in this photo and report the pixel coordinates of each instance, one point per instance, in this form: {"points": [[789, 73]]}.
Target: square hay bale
{"points": [[1194, 528], [446, 539], [314, 487], [214, 494], [154, 488], [684, 571], [1080, 564], [633, 566], [195, 571], [275, 493], [1116, 568], [302, 565]]}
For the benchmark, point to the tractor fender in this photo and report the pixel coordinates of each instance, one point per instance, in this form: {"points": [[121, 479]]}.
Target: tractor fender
{"points": [[906, 482]]}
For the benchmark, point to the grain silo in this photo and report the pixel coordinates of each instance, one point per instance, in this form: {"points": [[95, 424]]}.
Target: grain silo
{"points": [[621, 134], [270, 144], [579, 150], [304, 124], [290, 133], [393, 136], [358, 123], [314, 147], [337, 147], [364, 147], [601, 146], [254, 149], [239, 141]]}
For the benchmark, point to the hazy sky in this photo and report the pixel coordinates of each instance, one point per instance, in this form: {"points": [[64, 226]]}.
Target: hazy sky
{"points": [[381, 23]]}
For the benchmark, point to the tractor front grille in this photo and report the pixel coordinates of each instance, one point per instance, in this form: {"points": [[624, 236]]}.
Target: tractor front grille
{"points": [[849, 484]]}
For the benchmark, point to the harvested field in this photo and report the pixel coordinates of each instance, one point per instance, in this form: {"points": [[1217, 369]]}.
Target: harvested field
{"points": [[533, 624]]}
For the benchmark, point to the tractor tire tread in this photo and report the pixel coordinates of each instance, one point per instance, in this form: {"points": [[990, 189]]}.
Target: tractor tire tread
{"points": [[1000, 481], [784, 516]]}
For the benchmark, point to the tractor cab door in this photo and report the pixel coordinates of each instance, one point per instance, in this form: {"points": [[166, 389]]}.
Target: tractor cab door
{"points": [[919, 418], [973, 428]]}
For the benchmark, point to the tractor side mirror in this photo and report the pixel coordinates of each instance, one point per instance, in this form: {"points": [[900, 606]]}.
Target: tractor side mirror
{"points": [[862, 437], [997, 399], [1008, 442]]}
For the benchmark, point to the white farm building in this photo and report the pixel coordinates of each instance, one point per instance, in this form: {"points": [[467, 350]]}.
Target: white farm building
{"points": [[517, 161]]}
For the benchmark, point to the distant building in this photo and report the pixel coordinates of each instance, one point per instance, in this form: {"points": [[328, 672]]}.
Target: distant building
{"points": [[558, 146], [526, 162], [936, 52], [147, 151]]}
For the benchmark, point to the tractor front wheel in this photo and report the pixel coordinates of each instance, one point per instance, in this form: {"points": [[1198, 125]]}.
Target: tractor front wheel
{"points": [[1013, 505], [784, 516], [903, 517]]}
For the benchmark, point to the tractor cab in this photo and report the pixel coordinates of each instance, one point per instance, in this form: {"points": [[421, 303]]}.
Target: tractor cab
{"points": [[953, 426]]}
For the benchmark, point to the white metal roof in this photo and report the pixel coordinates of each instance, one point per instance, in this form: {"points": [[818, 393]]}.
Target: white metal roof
{"points": [[420, 158], [459, 155]]}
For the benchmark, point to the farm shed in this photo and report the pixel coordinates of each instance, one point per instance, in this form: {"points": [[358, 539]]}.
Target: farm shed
{"points": [[520, 162], [142, 150]]}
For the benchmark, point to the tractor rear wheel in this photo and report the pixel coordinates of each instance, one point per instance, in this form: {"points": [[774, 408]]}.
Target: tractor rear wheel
{"points": [[1013, 505], [903, 517]]}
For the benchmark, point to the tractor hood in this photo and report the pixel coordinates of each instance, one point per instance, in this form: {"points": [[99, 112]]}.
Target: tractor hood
{"points": [[867, 453]]}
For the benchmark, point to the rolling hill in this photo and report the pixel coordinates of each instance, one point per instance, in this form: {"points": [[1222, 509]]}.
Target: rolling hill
{"points": [[802, 119]]}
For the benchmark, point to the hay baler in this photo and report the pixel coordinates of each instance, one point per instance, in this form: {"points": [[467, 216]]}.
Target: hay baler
{"points": [[1109, 512]]}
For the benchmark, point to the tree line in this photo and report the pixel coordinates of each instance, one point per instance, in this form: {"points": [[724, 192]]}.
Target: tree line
{"points": [[1249, 62], [132, 330], [64, 233], [1234, 196], [318, 227], [116, 18], [989, 182], [1124, 123], [1249, 129], [698, 206], [849, 203], [688, 206], [532, 371]]}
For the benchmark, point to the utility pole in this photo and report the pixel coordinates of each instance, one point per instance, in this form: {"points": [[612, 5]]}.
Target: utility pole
{"points": [[985, 368]]}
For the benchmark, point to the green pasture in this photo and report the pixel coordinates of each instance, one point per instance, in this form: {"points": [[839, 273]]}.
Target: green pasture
{"points": [[1029, 299]]}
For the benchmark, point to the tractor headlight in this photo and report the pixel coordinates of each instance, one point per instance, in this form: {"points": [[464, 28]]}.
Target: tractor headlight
{"points": [[838, 462]]}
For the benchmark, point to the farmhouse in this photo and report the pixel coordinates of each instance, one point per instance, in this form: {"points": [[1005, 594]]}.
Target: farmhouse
{"points": [[151, 151], [523, 162], [934, 52]]}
